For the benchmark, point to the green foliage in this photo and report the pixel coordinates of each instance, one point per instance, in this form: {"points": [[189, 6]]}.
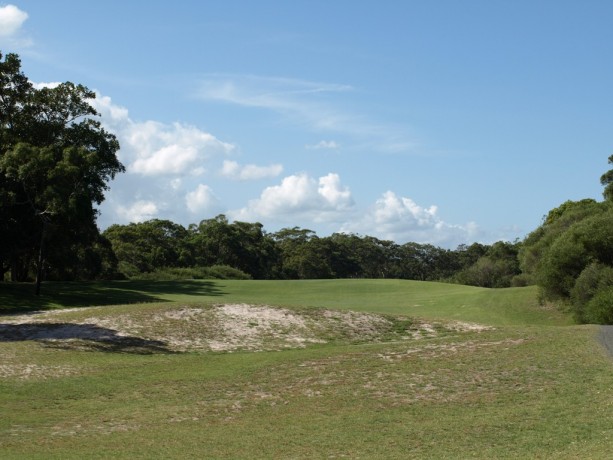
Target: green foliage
{"points": [[304, 255], [55, 163], [594, 278], [570, 256], [244, 246], [607, 180], [558, 220], [147, 246], [599, 309], [590, 240], [222, 272], [296, 253], [497, 268]]}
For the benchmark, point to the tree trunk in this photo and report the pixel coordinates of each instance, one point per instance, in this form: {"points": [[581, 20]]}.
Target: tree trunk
{"points": [[41, 259], [15, 269]]}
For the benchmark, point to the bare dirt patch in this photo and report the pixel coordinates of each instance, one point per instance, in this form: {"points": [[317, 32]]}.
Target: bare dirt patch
{"points": [[221, 328], [35, 371]]}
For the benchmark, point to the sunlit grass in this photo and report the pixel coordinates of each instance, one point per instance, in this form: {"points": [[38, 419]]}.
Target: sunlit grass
{"points": [[522, 390], [404, 297]]}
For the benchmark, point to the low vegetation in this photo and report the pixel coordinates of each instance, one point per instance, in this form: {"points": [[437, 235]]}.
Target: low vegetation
{"points": [[299, 369]]}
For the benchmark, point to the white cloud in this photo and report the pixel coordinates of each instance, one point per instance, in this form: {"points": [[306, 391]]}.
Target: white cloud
{"points": [[111, 113], [300, 197], [201, 200], [323, 145], [233, 170], [314, 105], [138, 211], [11, 20], [400, 219], [151, 148], [164, 162], [300, 100], [41, 85], [266, 92], [333, 192]]}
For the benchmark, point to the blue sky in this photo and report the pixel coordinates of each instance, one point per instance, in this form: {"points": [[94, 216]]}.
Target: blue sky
{"points": [[441, 122]]}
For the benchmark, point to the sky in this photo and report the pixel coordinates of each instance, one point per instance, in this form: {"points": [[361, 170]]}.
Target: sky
{"points": [[440, 122]]}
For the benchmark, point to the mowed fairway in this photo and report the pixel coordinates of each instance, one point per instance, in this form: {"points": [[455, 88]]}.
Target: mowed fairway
{"points": [[528, 384]]}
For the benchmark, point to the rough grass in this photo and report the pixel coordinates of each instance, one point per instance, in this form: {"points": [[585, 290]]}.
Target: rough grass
{"points": [[512, 306], [159, 328], [415, 388]]}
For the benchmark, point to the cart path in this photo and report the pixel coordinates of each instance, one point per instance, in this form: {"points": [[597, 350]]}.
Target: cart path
{"points": [[606, 338]]}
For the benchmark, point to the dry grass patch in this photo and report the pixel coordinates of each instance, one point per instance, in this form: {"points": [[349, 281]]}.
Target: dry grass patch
{"points": [[219, 328]]}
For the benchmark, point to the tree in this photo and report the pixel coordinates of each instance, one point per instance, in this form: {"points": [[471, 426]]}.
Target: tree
{"points": [[495, 269], [607, 180], [147, 246], [241, 245], [555, 223], [55, 164], [303, 254]]}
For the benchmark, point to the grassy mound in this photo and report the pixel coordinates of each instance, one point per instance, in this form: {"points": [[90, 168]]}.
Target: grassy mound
{"points": [[400, 375], [220, 327], [513, 306]]}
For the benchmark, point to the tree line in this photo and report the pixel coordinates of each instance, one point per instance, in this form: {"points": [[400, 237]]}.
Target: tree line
{"points": [[159, 246], [56, 161]]}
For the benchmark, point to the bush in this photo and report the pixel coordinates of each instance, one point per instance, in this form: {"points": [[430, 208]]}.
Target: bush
{"points": [[193, 273], [599, 310], [522, 280], [225, 272], [587, 241], [488, 273], [594, 278]]}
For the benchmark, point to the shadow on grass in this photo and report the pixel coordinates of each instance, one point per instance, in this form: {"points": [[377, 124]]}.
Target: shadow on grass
{"points": [[86, 337], [19, 297]]}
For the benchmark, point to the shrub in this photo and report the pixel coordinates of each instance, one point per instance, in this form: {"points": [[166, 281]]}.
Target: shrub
{"points": [[522, 280], [225, 272], [488, 272], [193, 273], [599, 310], [594, 278]]}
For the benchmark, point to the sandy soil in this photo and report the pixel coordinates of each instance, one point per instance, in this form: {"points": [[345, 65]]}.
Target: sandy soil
{"points": [[224, 327]]}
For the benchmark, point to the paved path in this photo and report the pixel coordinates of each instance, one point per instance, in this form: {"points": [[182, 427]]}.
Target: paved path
{"points": [[606, 338]]}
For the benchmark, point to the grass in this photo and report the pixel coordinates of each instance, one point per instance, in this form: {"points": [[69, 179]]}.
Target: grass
{"points": [[534, 387], [403, 297]]}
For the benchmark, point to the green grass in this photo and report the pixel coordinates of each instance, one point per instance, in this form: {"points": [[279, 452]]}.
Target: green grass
{"points": [[535, 387], [424, 299]]}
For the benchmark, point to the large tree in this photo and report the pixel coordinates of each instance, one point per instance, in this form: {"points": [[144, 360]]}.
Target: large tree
{"points": [[241, 245], [55, 164], [149, 246]]}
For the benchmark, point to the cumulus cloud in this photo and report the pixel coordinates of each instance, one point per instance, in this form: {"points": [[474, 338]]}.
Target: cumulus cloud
{"points": [[164, 164], [400, 219], [11, 20], [333, 192], [324, 145], [138, 211], [201, 200], [151, 148], [233, 170], [298, 197]]}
